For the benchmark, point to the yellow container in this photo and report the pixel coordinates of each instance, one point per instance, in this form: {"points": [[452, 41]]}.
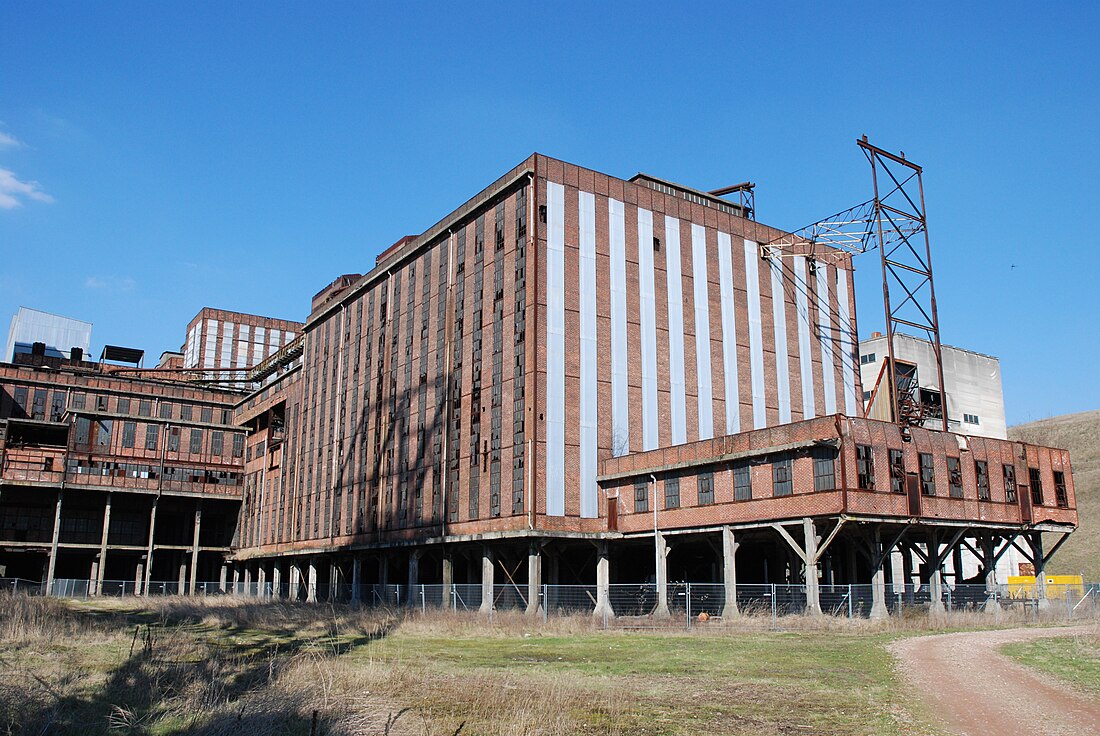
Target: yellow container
{"points": [[1057, 586]]}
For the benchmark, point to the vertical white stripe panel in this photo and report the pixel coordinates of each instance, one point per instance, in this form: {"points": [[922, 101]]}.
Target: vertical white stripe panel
{"points": [[729, 333], [242, 347], [825, 337], [589, 409], [702, 331], [189, 353], [227, 345], [211, 343], [677, 414], [620, 359], [258, 345], [805, 357], [779, 320], [756, 335], [847, 343], [555, 350], [647, 322]]}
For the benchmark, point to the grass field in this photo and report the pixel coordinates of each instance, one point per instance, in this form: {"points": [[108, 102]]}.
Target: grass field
{"points": [[230, 667], [1072, 659], [1080, 434]]}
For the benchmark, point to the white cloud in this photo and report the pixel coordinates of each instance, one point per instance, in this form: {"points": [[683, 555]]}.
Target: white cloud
{"points": [[13, 190], [8, 141], [113, 283]]}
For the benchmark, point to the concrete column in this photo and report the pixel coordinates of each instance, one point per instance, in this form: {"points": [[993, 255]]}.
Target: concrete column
{"points": [[51, 564], [907, 572], [412, 599], [729, 572], [93, 578], [223, 577], [182, 580], [487, 569], [149, 550], [448, 575], [992, 605], [248, 578], [878, 579], [102, 566], [335, 580], [195, 547], [356, 577], [1040, 570], [276, 579], [295, 581], [813, 599], [603, 583], [311, 581], [139, 578], [935, 577], [236, 579], [660, 576], [261, 579], [534, 580]]}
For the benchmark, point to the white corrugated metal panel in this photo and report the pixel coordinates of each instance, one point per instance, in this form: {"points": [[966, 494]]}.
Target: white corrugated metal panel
{"points": [[60, 334], [555, 350]]}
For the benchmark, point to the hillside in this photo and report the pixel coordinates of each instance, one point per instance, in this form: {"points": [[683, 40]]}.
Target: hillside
{"points": [[1080, 434]]}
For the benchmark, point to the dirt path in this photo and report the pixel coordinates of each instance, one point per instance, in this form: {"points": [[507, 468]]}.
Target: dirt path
{"points": [[976, 690]]}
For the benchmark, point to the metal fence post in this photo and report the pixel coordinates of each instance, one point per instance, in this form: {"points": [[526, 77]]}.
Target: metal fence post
{"points": [[545, 604], [423, 606], [849, 600], [687, 600], [773, 606]]}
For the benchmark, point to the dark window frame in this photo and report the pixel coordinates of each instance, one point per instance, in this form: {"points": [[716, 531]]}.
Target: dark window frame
{"points": [[896, 459], [782, 476], [865, 467], [641, 497], [1008, 472], [742, 482], [1035, 478], [927, 474], [954, 477], [672, 492], [824, 469], [981, 479], [706, 488]]}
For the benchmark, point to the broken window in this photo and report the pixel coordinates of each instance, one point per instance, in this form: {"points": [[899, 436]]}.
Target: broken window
{"points": [[174, 439], [1060, 495], [742, 482], [897, 471], [672, 492], [824, 472], [706, 488], [151, 436], [955, 477], [927, 475], [641, 497], [981, 478], [865, 467], [238, 445], [781, 477], [1036, 486], [129, 429], [196, 441], [1010, 483]]}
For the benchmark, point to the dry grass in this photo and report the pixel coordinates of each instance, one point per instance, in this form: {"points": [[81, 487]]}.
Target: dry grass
{"points": [[221, 666], [1080, 434]]}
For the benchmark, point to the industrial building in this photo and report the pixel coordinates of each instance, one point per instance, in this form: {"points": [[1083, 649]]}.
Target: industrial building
{"points": [[580, 379]]}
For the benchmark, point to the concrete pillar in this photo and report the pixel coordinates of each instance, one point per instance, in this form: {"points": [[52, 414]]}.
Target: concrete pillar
{"points": [[223, 577], [181, 581], [534, 580], [149, 550], [276, 579], [335, 581], [603, 583], [248, 578], [51, 564], [93, 586], [103, 538], [412, 599], [356, 577], [878, 578], [813, 598], [729, 572], [935, 577], [487, 569], [311, 581], [261, 579], [1040, 570], [295, 582], [660, 576], [448, 574], [992, 605], [907, 572], [195, 547], [139, 578], [236, 579]]}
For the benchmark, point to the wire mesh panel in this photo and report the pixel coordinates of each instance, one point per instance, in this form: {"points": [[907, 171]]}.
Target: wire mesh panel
{"points": [[509, 596], [631, 599], [117, 587], [570, 599], [697, 598], [466, 597]]}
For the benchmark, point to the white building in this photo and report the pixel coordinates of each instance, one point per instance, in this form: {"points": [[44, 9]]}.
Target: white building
{"points": [[972, 381], [60, 334]]}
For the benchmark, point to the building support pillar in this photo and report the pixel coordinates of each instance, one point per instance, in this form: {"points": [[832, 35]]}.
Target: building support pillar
{"points": [[879, 557], [935, 576], [534, 580], [181, 581], [276, 579], [448, 577], [660, 574], [51, 564], [223, 577], [487, 569], [248, 578], [295, 591], [989, 564], [1040, 564], [907, 573], [139, 577], [149, 549], [102, 566], [413, 597], [729, 572], [311, 581], [195, 547], [813, 597], [603, 583], [356, 578]]}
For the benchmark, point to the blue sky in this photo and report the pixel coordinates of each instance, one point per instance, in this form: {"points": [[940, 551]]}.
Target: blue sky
{"points": [[151, 153]]}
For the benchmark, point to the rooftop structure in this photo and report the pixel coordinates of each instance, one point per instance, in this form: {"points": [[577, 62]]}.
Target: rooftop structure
{"points": [[58, 335]]}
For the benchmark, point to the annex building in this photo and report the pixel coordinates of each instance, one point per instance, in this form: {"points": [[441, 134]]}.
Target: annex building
{"points": [[571, 379]]}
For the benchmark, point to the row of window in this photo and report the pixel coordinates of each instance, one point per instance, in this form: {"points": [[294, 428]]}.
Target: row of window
{"points": [[80, 466], [782, 481], [97, 433], [49, 405], [865, 477]]}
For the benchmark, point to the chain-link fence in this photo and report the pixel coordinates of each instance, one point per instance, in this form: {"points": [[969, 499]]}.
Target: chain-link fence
{"points": [[623, 601]]}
